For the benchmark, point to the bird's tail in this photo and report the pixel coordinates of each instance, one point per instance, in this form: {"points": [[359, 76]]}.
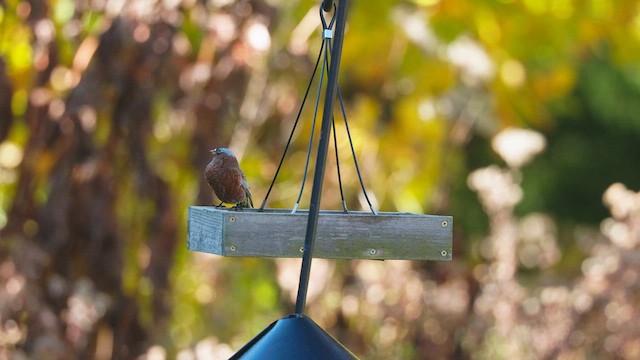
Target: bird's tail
{"points": [[248, 203]]}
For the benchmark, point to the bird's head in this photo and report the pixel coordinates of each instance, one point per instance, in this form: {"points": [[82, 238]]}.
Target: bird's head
{"points": [[218, 151]]}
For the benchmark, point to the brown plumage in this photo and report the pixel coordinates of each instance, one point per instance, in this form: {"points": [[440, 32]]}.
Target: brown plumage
{"points": [[227, 180]]}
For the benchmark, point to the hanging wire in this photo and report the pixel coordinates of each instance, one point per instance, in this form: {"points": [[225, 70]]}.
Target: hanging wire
{"points": [[335, 145], [326, 35], [313, 129], [326, 49], [353, 151], [295, 124]]}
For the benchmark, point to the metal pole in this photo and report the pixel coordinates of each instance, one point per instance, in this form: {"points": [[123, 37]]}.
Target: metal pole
{"points": [[316, 191]]}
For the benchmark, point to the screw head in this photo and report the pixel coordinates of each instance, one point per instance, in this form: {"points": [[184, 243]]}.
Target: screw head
{"points": [[232, 248], [232, 219], [445, 223], [373, 251], [444, 252]]}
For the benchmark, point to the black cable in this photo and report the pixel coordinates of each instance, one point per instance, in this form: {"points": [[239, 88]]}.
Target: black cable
{"points": [[286, 148], [313, 127], [335, 145], [295, 124], [353, 151]]}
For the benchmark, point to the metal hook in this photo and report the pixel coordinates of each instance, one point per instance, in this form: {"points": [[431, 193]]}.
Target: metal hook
{"points": [[327, 5], [324, 22]]}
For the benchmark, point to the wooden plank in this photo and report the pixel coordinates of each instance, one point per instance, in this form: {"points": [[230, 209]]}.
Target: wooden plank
{"points": [[356, 235], [205, 230]]}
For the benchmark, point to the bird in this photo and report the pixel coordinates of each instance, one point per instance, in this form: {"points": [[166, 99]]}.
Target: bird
{"points": [[227, 180]]}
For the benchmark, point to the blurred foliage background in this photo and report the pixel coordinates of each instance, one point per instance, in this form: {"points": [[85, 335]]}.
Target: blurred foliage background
{"points": [[517, 117]]}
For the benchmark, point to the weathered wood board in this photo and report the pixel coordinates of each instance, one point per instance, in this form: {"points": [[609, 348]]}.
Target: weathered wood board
{"points": [[355, 235]]}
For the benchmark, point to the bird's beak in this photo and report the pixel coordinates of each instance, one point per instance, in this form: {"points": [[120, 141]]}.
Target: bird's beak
{"points": [[213, 151]]}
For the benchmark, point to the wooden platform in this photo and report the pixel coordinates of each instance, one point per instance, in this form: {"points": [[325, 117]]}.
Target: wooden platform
{"points": [[356, 235]]}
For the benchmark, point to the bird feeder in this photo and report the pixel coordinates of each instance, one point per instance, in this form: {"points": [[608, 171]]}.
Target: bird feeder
{"points": [[331, 234], [354, 235]]}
